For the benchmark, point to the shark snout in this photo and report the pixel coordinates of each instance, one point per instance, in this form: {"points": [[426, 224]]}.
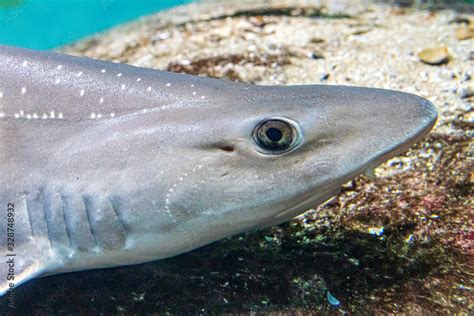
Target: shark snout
{"points": [[430, 115], [397, 122], [408, 117]]}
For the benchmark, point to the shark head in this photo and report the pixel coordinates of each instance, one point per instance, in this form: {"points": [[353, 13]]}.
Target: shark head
{"points": [[244, 157], [257, 159], [129, 165]]}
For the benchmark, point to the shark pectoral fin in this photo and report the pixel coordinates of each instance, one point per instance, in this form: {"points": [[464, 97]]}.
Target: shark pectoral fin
{"points": [[19, 267]]}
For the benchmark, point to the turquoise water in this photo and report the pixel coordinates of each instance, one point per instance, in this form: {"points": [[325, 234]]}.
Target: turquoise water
{"points": [[43, 24]]}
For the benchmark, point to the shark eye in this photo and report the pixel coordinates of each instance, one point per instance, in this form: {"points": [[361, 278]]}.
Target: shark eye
{"points": [[276, 136]]}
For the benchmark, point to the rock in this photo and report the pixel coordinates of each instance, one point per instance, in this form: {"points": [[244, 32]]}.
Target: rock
{"points": [[315, 55], [465, 32], [434, 56], [461, 20], [317, 40], [467, 91], [332, 300], [161, 37], [324, 76], [376, 231], [361, 31]]}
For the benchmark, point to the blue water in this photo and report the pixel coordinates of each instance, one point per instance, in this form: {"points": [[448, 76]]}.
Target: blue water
{"points": [[44, 24]]}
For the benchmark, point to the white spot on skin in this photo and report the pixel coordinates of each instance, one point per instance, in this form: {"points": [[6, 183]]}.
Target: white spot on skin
{"points": [[82, 93], [101, 100], [60, 115], [194, 93], [59, 67], [123, 87], [148, 89], [139, 79], [168, 84], [92, 115], [35, 116], [145, 110], [23, 91], [103, 71], [1, 95], [16, 115], [25, 63], [22, 113], [112, 114], [28, 116], [2, 114], [51, 114], [192, 86], [99, 116], [80, 74], [119, 75], [203, 97], [56, 81], [45, 116]]}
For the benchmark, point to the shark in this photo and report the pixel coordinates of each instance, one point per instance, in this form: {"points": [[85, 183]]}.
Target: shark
{"points": [[105, 164]]}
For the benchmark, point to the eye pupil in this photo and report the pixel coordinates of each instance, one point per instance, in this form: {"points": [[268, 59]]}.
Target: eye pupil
{"points": [[274, 134]]}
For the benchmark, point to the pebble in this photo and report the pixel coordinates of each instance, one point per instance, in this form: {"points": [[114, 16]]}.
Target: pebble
{"points": [[324, 77], [332, 300], [434, 56], [461, 19], [317, 40], [376, 231], [467, 91], [161, 37], [315, 55], [465, 32]]}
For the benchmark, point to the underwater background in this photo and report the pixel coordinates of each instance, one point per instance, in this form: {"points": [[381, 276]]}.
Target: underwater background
{"points": [[43, 24], [397, 244]]}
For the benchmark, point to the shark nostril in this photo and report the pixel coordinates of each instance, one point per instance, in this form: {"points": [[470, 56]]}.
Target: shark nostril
{"points": [[227, 148]]}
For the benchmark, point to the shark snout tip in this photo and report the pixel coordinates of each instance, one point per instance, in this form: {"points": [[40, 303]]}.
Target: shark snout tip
{"points": [[428, 115]]}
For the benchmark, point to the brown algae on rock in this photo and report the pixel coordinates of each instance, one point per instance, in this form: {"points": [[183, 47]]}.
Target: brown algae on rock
{"points": [[397, 244]]}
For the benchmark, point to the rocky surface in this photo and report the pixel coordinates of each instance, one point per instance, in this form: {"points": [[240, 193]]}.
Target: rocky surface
{"points": [[399, 243]]}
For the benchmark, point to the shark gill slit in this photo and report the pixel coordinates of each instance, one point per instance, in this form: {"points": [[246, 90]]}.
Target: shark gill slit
{"points": [[48, 224], [30, 215], [66, 222], [88, 208], [114, 204]]}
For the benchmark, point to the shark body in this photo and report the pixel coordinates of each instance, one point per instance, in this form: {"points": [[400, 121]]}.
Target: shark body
{"points": [[103, 164]]}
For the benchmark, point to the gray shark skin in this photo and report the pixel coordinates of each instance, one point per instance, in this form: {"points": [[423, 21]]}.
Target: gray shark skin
{"points": [[104, 165]]}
